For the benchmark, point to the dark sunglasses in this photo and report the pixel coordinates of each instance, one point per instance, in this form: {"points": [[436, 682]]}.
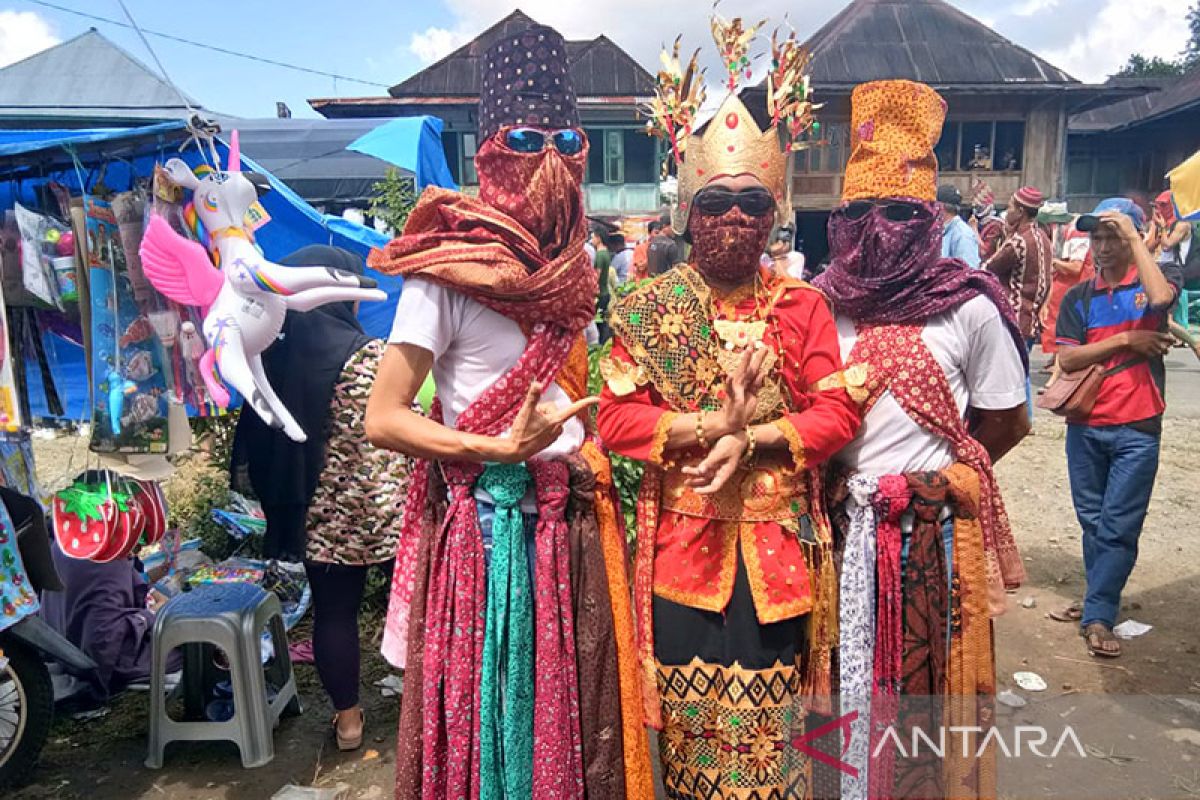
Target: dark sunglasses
{"points": [[892, 210], [756, 202], [567, 141]]}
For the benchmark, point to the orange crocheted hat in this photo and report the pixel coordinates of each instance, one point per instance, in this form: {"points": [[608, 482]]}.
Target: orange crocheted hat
{"points": [[894, 126]]}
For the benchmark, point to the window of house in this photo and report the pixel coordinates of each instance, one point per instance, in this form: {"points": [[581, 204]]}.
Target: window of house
{"points": [[1079, 175], [470, 176], [614, 156], [595, 163], [976, 146], [830, 155], [1107, 180], [947, 147], [450, 146], [983, 146], [1010, 146], [641, 156]]}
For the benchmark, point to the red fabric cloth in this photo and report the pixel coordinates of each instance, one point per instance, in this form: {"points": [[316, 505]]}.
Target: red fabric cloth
{"points": [[1058, 290], [891, 501]]}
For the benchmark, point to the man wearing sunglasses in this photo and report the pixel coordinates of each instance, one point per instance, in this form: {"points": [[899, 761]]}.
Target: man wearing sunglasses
{"points": [[712, 381], [937, 363], [504, 597]]}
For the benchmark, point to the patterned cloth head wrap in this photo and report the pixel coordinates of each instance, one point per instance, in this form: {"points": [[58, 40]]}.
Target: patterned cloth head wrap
{"points": [[892, 273]]}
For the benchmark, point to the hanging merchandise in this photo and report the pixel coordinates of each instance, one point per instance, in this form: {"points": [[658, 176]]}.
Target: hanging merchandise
{"points": [[245, 301], [130, 403], [39, 244], [177, 326], [10, 416], [17, 598], [105, 517]]}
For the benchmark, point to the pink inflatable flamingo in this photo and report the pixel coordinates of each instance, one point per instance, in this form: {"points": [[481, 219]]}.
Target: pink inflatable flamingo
{"points": [[246, 299]]}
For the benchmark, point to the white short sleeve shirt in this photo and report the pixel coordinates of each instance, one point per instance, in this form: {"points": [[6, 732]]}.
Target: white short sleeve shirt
{"points": [[984, 369], [472, 346]]}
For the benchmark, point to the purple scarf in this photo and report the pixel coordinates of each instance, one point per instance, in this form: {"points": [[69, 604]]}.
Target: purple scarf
{"points": [[892, 273]]}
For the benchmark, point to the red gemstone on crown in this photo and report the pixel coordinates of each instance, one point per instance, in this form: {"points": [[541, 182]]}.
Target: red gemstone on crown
{"points": [[731, 120]]}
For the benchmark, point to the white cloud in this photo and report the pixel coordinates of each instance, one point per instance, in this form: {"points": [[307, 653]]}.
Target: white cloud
{"points": [[23, 33], [434, 43], [1090, 39], [1105, 44]]}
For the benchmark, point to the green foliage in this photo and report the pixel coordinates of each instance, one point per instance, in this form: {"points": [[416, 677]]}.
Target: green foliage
{"points": [[196, 488], [394, 199], [1139, 66], [1191, 51], [627, 478]]}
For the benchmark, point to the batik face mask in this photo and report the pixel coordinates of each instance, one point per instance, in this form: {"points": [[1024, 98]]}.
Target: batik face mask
{"points": [[727, 247], [543, 190], [883, 243]]}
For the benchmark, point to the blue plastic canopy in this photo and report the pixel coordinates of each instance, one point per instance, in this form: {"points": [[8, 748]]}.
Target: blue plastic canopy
{"points": [[77, 158], [413, 143]]}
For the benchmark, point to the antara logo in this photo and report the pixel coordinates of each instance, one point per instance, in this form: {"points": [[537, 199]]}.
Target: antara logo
{"points": [[1021, 741]]}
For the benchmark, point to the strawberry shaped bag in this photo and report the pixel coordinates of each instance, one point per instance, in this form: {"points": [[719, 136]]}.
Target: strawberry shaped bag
{"points": [[154, 506], [127, 525], [81, 527]]}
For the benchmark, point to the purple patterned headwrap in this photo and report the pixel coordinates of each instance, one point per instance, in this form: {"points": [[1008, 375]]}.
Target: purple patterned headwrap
{"points": [[892, 273]]}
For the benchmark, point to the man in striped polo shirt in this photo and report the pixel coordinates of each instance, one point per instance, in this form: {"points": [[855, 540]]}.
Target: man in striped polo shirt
{"points": [[1118, 320]]}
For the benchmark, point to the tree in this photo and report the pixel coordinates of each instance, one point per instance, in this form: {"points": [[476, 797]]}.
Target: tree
{"points": [[1138, 66], [394, 199], [1191, 51]]}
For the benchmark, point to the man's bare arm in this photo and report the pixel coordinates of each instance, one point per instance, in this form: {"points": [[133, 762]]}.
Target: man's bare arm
{"points": [[999, 430]]}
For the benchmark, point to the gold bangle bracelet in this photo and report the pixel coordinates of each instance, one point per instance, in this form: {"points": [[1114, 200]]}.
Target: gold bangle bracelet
{"points": [[751, 446], [703, 442]]}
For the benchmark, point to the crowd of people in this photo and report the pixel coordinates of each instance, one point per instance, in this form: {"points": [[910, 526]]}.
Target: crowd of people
{"points": [[818, 530]]}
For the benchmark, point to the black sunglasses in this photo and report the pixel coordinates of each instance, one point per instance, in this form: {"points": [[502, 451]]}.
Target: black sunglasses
{"points": [[893, 210], [567, 141], [755, 202]]}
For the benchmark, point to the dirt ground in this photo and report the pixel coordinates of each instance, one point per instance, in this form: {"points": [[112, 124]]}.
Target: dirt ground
{"points": [[1132, 716]]}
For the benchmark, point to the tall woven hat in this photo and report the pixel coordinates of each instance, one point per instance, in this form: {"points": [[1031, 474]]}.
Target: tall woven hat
{"points": [[894, 126], [525, 80]]}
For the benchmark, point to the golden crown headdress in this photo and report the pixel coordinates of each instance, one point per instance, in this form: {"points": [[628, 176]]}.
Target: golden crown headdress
{"points": [[733, 143]]}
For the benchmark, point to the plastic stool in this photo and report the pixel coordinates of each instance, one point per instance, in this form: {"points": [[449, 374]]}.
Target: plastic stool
{"points": [[232, 617]]}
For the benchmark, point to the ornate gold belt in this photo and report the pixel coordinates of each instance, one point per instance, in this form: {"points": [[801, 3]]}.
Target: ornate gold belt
{"points": [[766, 492]]}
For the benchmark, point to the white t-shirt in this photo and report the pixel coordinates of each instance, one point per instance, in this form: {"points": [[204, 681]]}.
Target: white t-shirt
{"points": [[984, 369], [473, 346]]}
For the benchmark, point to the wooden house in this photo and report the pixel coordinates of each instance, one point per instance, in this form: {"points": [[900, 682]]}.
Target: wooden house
{"points": [[1127, 148], [1007, 108], [623, 164]]}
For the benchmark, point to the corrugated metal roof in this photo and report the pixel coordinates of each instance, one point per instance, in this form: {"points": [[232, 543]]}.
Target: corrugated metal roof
{"points": [[88, 77], [1177, 96], [598, 67], [921, 40]]}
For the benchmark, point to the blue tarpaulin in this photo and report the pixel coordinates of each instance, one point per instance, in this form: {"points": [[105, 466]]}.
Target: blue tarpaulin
{"points": [[30, 158], [414, 143]]}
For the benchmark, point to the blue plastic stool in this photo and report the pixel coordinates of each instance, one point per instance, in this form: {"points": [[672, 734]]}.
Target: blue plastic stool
{"points": [[232, 617]]}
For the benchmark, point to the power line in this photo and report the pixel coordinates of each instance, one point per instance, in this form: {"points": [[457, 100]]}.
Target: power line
{"points": [[204, 46]]}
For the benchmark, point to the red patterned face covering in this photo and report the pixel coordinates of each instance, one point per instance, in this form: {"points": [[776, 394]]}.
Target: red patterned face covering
{"points": [[542, 191], [727, 248]]}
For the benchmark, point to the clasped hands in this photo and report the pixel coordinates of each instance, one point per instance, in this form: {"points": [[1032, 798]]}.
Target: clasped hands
{"points": [[729, 424]]}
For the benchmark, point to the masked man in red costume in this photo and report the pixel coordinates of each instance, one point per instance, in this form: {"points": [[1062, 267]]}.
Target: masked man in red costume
{"points": [[711, 383], [510, 593]]}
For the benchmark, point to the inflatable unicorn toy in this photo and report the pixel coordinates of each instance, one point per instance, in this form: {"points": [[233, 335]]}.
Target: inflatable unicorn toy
{"points": [[244, 301]]}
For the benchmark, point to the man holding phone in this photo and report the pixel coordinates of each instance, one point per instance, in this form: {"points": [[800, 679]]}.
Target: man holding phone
{"points": [[1118, 320]]}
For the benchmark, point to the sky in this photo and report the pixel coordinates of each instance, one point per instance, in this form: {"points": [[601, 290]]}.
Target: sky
{"points": [[382, 42]]}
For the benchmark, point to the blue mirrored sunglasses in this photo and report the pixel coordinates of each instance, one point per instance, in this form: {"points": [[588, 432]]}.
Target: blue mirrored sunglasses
{"points": [[567, 141]]}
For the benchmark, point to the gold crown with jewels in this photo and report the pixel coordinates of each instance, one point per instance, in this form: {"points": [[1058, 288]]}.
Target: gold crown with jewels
{"points": [[732, 143]]}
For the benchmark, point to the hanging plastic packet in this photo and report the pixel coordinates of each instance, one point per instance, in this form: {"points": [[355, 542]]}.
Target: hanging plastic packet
{"points": [[130, 398]]}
